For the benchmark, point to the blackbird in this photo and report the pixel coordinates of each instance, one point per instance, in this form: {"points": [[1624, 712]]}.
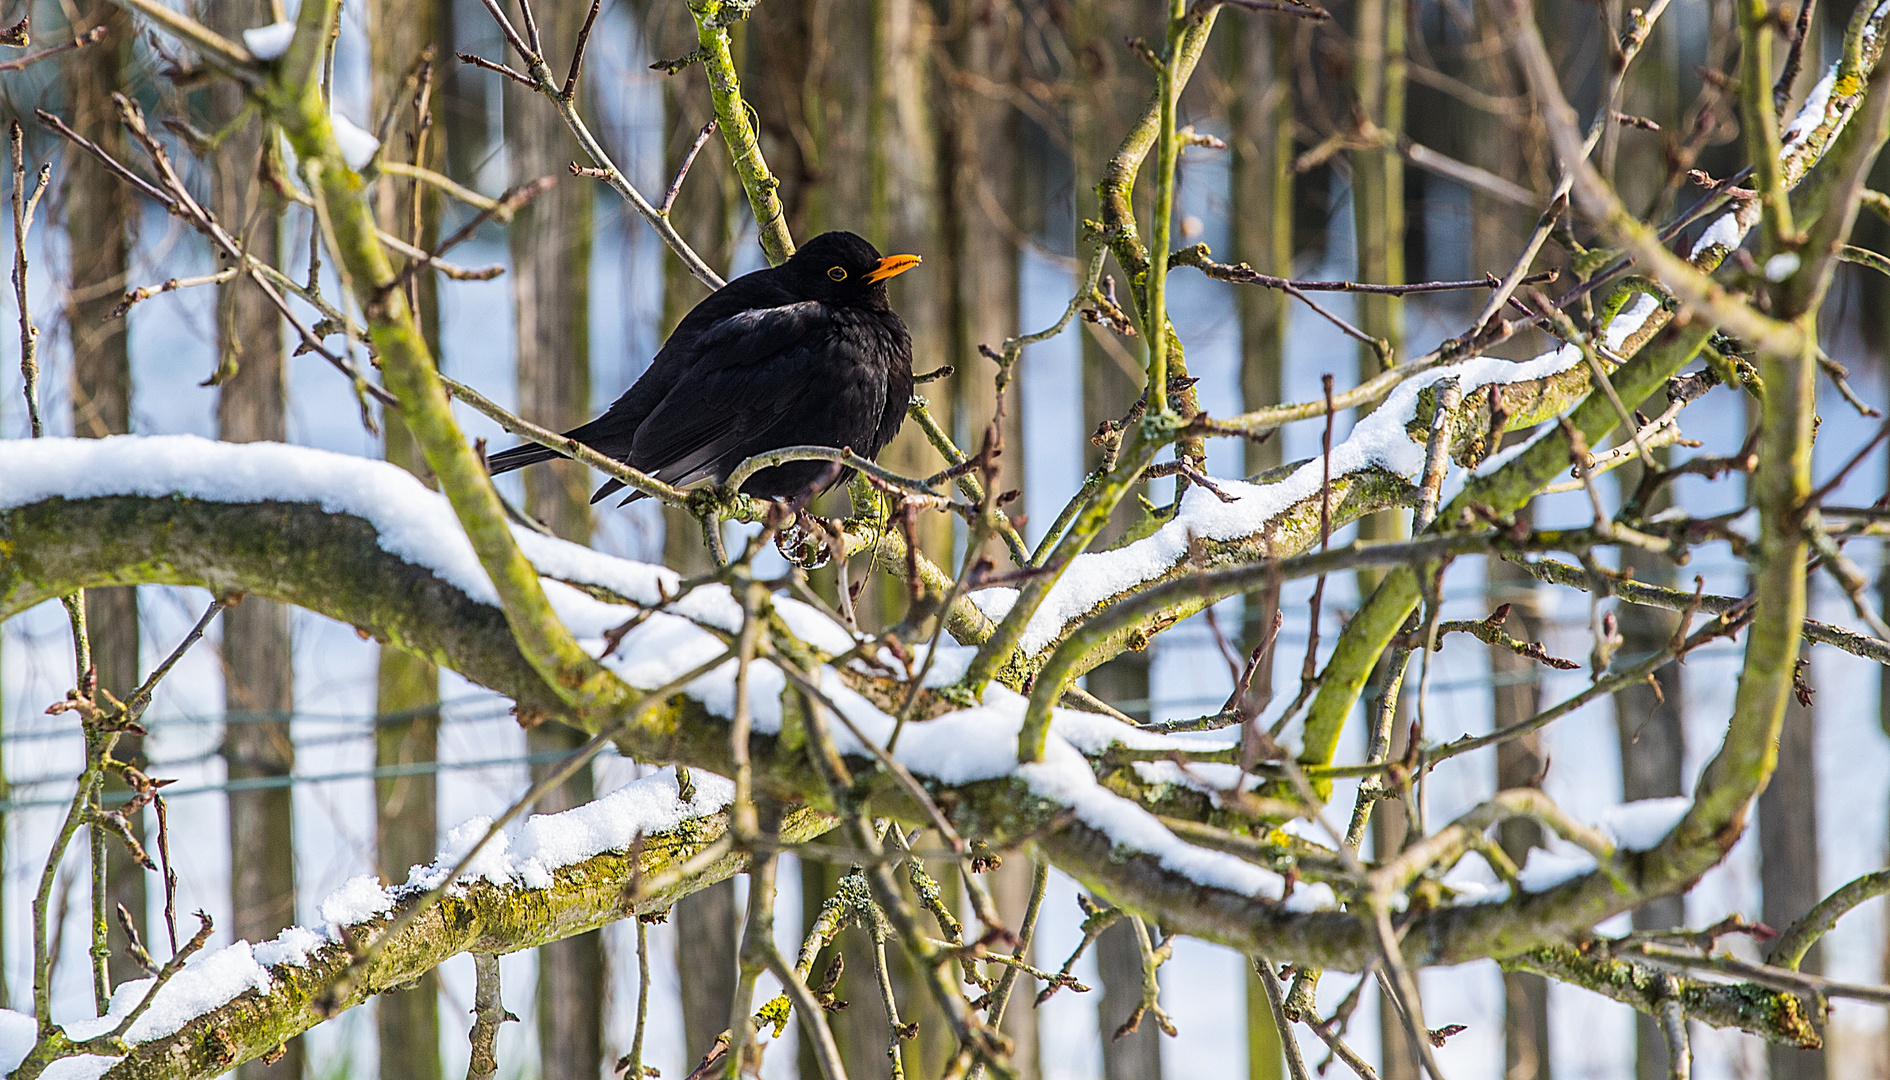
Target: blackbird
{"points": [[806, 353]]}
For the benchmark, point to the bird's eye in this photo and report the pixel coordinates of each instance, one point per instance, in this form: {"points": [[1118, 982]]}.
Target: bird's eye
{"points": [[837, 273]]}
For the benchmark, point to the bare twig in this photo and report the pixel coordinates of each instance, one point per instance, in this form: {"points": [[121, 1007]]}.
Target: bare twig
{"points": [[689, 159], [489, 1012], [89, 37], [23, 208]]}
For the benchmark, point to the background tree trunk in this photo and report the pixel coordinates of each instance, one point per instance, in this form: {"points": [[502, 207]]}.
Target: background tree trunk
{"points": [[1516, 695], [902, 200], [1653, 753], [1010, 891], [551, 266], [708, 927], [1258, 96], [706, 213], [407, 703], [101, 219], [1137, 1055], [978, 132], [1788, 853]]}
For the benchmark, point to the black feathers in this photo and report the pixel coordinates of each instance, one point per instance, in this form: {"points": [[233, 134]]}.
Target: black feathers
{"points": [[806, 353]]}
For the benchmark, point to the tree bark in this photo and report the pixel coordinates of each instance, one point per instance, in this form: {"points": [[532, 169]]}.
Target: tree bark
{"points": [[1653, 752], [1123, 682], [551, 266], [978, 133], [1137, 1055], [1010, 891], [258, 658], [571, 972], [407, 718], [1788, 853], [1516, 692], [904, 142], [100, 217], [708, 929]]}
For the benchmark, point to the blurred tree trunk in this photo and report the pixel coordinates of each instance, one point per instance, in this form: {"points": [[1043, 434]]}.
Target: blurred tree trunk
{"points": [[1256, 86], [551, 269], [101, 217], [1137, 1055], [900, 159], [706, 213], [1788, 854], [1493, 142], [1378, 63], [258, 655], [1378, 174], [1653, 750], [1883, 721], [1010, 891], [1123, 682], [978, 134], [1110, 91], [1258, 64], [572, 978], [1389, 826], [407, 703], [1378, 220], [461, 90], [708, 929], [1516, 695]]}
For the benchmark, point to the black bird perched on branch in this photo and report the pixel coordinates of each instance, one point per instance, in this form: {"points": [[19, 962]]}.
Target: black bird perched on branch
{"points": [[808, 353]]}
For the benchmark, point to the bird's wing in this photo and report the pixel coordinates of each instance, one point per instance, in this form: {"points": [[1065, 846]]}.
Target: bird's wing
{"points": [[754, 367]]}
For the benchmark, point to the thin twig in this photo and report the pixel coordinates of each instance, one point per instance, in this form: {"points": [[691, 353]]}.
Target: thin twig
{"points": [[682, 171], [23, 208], [89, 37]]}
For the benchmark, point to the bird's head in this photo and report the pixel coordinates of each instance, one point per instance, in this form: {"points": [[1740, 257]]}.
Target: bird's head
{"points": [[843, 268]]}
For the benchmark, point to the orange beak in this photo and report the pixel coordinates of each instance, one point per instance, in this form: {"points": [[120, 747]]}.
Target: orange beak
{"points": [[893, 266]]}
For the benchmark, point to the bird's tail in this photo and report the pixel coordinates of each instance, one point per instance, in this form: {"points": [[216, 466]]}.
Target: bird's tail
{"points": [[612, 487], [518, 457]]}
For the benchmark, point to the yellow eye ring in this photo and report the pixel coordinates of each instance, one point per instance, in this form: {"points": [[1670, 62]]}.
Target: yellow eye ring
{"points": [[837, 274]]}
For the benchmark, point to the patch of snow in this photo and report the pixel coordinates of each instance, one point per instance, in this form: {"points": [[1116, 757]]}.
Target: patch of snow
{"points": [[716, 692], [1547, 869], [1812, 113], [995, 602], [1628, 320], [357, 146], [550, 842], [79, 1067], [1871, 27], [291, 947], [490, 864], [358, 899], [1641, 825], [1781, 266], [814, 626], [18, 1033], [207, 981], [1726, 232], [269, 42]]}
